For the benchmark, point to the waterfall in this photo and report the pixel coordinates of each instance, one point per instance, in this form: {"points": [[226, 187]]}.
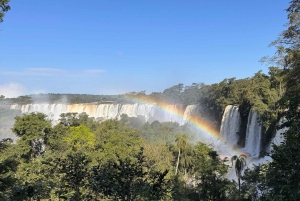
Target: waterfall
{"points": [[171, 113], [189, 112], [134, 110], [150, 112], [51, 110], [230, 125], [253, 135], [107, 111]]}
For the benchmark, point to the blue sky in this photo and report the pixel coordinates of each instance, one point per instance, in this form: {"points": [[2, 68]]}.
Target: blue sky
{"points": [[113, 47]]}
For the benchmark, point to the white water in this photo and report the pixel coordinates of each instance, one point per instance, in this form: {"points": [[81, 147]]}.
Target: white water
{"points": [[230, 125], [52, 110], [150, 112], [253, 135], [189, 112]]}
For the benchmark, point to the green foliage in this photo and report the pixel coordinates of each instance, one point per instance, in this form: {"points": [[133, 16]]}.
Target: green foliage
{"points": [[254, 186], [80, 137], [74, 170], [182, 143], [282, 175], [210, 172], [107, 161], [31, 126], [55, 138], [114, 138], [158, 157], [32, 129], [126, 180], [7, 166], [283, 172], [75, 119]]}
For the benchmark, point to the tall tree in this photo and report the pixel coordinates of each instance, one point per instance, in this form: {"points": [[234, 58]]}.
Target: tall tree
{"points": [[182, 142], [283, 173]]}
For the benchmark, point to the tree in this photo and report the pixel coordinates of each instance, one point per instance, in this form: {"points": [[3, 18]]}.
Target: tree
{"points": [[4, 7], [240, 164], [283, 172], [80, 137], [74, 169], [114, 138], [127, 179], [8, 166], [288, 56], [173, 94], [31, 128], [254, 185], [209, 173], [181, 141]]}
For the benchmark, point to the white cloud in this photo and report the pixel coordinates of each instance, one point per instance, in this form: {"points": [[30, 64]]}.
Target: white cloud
{"points": [[12, 90]]}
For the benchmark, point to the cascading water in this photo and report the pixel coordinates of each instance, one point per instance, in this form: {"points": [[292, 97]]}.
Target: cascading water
{"points": [[108, 111], [135, 110], [253, 135], [171, 113], [189, 112], [230, 125], [52, 110]]}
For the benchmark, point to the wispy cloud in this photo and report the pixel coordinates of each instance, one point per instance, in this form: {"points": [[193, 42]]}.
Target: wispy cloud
{"points": [[44, 71], [35, 72], [12, 90], [93, 72], [54, 72]]}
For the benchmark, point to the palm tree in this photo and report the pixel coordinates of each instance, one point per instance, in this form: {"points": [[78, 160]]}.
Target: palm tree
{"points": [[240, 164], [181, 144]]}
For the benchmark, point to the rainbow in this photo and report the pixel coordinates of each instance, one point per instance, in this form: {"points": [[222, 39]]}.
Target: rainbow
{"points": [[200, 124]]}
